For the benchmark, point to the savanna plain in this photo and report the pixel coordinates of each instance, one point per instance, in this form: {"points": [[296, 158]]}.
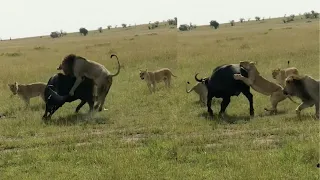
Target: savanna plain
{"points": [[164, 135]]}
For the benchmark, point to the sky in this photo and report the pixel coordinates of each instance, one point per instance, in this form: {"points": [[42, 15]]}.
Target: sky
{"points": [[25, 18]]}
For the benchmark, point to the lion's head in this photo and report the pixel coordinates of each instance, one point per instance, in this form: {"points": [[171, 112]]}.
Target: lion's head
{"points": [[143, 73], [250, 66], [14, 88], [275, 73]]}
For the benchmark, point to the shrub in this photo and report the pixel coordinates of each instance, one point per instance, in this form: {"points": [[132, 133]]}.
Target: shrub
{"points": [[152, 26], [173, 21], [214, 24], [314, 14], [83, 31], [100, 29], [307, 15], [55, 34], [184, 27], [156, 24], [289, 19], [232, 23], [311, 15], [63, 33]]}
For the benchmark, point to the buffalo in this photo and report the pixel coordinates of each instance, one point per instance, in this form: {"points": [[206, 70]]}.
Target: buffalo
{"points": [[221, 84], [57, 93]]}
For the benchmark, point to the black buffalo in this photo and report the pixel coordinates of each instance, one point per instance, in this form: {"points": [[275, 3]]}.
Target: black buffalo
{"points": [[57, 93], [221, 84]]}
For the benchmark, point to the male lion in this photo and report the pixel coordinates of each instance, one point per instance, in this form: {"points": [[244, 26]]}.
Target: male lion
{"points": [[201, 89], [153, 77], [28, 91], [281, 74], [262, 85], [79, 67], [306, 88]]}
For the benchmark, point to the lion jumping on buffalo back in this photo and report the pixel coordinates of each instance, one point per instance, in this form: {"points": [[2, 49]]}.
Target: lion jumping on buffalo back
{"points": [[262, 85], [79, 67]]}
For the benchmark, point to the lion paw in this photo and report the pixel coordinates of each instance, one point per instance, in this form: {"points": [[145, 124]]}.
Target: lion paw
{"points": [[237, 76]]}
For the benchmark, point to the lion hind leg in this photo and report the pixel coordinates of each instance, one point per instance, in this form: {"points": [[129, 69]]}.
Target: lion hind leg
{"points": [[275, 98], [168, 82], [103, 96]]}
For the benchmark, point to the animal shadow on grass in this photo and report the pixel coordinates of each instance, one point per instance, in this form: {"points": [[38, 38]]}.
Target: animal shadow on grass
{"points": [[77, 118], [267, 113], [302, 117], [204, 105], [231, 119], [11, 111], [198, 103]]}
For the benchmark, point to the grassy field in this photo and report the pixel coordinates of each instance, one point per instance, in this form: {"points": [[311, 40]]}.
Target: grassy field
{"points": [[164, 135]]}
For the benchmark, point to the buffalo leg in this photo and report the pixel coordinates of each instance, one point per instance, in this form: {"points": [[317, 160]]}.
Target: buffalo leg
{"points": [[91, 103], [223, 106], [80, 106], [209, 101], [249, 96], [45, 115], [52, 111]]}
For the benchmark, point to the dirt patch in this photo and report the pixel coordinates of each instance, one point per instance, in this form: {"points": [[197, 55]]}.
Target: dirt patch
{"points": [[269, 140], [133, 138], [213, 145]]}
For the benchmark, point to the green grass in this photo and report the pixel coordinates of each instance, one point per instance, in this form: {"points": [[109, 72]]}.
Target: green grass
{"points": [[164, 135]]}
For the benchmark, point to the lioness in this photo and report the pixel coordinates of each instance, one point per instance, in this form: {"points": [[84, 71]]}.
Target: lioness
{"points": [[78, 66], [153, 77], [262, 85], [28, 91], [201, 89], [306, 88], [281, 74]]}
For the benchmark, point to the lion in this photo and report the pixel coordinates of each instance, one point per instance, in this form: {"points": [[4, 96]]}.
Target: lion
{"points": [[153, 77], [28, 91], [262, 85], [201, 89], [79, 67], [306, 88], [281, 74]]}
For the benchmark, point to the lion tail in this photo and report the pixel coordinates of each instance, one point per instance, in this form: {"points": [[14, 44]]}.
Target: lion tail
{"points": [[188, 91], [173, 74], [112, 75]]}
